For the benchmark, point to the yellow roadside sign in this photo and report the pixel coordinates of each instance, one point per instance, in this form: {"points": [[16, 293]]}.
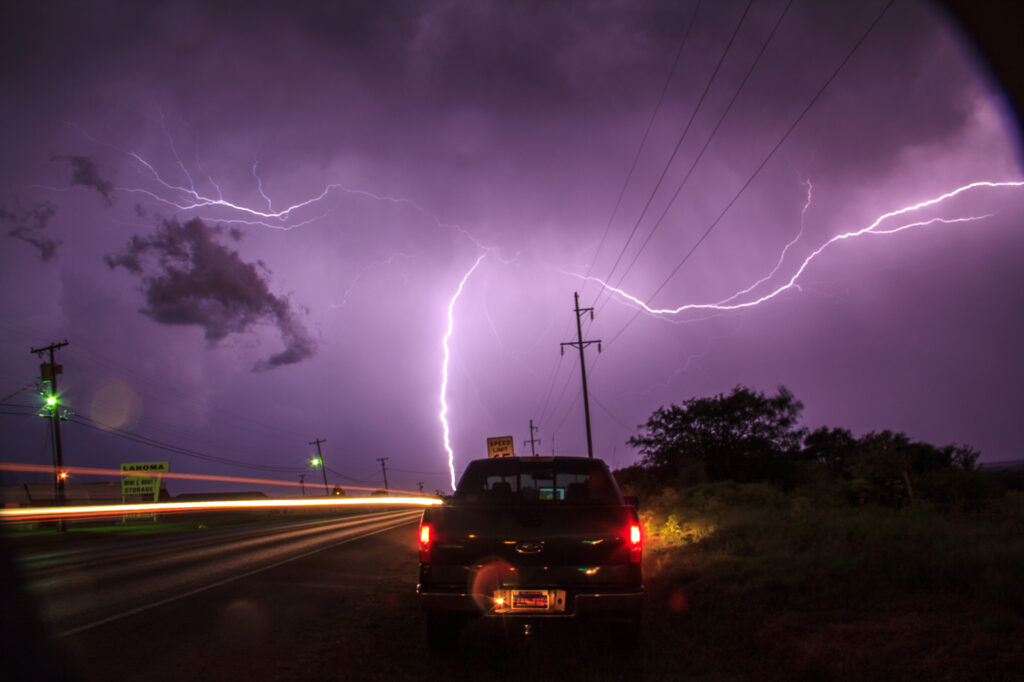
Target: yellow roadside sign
{"points": [[501, 446]]}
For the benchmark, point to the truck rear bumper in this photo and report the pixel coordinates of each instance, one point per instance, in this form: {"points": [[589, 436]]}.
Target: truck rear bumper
{"points": [[603, 603]]}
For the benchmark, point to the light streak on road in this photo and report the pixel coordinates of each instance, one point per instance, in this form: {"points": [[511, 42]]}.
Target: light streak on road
{"points": [[96, 471], [874, 228], [443, 415], [99, 510]]}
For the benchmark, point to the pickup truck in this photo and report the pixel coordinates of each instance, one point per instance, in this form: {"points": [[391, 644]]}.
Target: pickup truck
{"points": [[530, 538]]}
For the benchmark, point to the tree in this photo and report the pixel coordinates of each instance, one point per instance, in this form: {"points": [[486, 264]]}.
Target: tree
{"points": [[890, 469], [832, 448], [743, 436]]}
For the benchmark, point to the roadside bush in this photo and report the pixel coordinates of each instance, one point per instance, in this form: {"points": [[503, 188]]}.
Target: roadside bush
{"points": [[712, 497], [956, 490]]}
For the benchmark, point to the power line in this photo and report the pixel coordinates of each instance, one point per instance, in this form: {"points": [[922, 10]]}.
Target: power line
{"points": [[629, 175], [84, 354], [568, 411], [348, 478], [763, 163], [707, 143], [609, 412], [24, 388], [643, 139], [554, 378], [561, 394], [679, 142], [152, 442]]}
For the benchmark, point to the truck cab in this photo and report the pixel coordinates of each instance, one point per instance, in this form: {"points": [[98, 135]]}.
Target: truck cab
{"points": [[530, 538]]}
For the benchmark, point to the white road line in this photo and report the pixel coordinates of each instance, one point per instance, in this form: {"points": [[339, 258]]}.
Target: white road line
{"points": [[140, 609]]}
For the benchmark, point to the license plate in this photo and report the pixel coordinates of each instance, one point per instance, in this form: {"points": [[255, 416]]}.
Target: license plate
{"points": [[529, 599]]}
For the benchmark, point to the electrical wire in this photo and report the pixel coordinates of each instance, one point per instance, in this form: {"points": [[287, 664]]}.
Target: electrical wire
{"points": [[152, 442], [629, 176], [761, 166], [707, 143], [679, 143], [643, 140]]}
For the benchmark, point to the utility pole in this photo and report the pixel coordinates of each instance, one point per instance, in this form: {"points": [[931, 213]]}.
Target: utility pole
{"points": [[49, 371], [302, 483], [320, 460], [532, 441], [581, 344], [385, 470]]}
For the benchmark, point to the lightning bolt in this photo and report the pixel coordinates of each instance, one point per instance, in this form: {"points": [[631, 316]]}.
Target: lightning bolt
{"points": [[259, 186], [443, 415], [355, 280], [188, 197], [785, 250], [874, 228]]}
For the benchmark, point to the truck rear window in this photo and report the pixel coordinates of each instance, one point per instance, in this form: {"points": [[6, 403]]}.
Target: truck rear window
{"points": [[518, 482]]}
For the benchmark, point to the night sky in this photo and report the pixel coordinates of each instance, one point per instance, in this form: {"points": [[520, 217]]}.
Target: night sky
{"points": [[251, 223]]}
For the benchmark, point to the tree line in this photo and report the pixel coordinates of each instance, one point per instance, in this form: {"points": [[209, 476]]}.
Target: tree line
{"points": [[747, 436]]}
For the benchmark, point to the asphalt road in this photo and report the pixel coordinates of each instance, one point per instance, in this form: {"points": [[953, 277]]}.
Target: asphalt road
{"points": [[326, 600], [233, 604]]}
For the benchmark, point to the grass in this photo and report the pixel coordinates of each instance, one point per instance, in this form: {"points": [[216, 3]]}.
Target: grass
{"points": [[836, 593], [743, 584]]}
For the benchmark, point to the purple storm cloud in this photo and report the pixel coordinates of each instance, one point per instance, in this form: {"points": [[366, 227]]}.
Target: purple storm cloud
{"points": [[29, 224], [194, 280], [773, 194]]}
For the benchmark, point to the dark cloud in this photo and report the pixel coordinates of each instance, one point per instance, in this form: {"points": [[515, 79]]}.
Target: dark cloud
{"points": [[85, 172], [189, 278], [29, 224]]}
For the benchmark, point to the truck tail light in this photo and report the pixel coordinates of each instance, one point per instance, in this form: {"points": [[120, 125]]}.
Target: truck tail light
{"points": [[425, 539], [635, 543]]}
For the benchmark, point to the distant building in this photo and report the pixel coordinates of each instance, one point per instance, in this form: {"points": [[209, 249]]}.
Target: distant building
{"points": [[43, 495], [218, 497]]}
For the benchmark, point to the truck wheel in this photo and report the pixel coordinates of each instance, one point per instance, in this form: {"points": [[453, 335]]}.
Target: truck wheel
{"points": [[443, 631]]}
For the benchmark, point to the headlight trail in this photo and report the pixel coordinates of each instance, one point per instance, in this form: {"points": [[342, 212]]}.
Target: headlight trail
{"points": [[874, 228], [98, 471], [103, 510], [443, 415]]}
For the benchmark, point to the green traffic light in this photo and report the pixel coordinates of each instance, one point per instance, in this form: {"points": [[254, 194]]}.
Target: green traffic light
{"points": [[315, 462], [51, 401]]}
